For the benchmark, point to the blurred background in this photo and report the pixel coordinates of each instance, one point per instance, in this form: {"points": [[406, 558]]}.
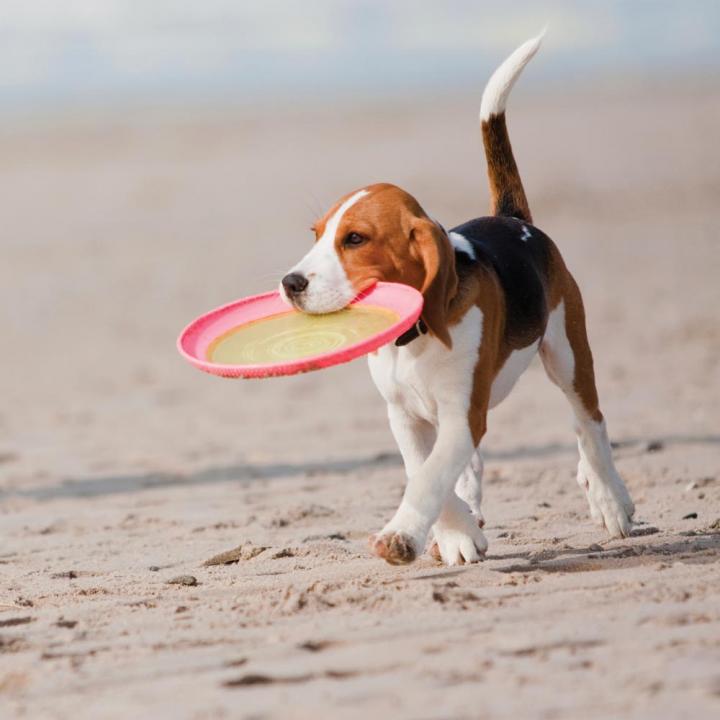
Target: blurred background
{"points": [[161, 158], [105, 53]]}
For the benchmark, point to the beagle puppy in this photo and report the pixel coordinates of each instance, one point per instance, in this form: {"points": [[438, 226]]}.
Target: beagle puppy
{"points": [[497, 292]]}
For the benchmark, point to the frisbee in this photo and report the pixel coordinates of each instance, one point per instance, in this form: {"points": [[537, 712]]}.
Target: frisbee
{"points": [[261, 336]]}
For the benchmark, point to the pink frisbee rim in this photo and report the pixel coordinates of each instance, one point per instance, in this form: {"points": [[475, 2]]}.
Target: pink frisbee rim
{"points": [[196, 338]]}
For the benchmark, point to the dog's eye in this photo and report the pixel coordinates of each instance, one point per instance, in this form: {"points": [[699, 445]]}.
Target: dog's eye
{"points": [[354, 239]]}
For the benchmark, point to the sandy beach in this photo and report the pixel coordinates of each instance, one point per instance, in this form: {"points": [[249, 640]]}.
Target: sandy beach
{"points": [[122, 468]]}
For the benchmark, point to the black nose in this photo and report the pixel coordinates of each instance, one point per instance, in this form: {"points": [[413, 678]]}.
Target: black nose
{"points": [[294, 283]]}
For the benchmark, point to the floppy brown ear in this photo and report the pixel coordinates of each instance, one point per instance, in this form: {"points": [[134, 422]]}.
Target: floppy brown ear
{"points": [[440, 284]]}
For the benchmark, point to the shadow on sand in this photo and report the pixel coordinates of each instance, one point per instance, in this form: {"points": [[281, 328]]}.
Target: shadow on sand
{"points": [[246, 473], [700, 546]]}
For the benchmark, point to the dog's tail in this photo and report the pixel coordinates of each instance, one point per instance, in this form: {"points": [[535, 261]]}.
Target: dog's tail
{"points": [[507, 196]]}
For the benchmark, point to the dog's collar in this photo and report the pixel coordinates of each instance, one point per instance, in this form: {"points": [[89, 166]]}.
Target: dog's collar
{"points": [[418, 329]]}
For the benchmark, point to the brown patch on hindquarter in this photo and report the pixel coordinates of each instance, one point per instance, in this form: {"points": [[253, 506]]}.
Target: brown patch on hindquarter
{"points": [[562, 287]]}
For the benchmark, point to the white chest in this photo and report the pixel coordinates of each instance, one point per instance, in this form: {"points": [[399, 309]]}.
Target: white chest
{"points": [[425, 374], [403, 378]]}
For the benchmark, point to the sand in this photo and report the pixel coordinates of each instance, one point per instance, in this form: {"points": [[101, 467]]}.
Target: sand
{"points": [[122, 468]]}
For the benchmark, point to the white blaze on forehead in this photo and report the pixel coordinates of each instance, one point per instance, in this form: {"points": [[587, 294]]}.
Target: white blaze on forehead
{"points": [[333, 223], [324, 248], [328, 286]]}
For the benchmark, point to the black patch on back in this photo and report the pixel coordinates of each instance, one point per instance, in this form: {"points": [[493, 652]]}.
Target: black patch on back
{"points": [[520, 265]]}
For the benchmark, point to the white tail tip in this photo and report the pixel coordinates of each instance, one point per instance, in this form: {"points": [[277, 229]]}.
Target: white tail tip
{"points": [[501, 83]]}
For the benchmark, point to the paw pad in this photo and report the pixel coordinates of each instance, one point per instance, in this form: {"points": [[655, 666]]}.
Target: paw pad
{"points": [[395, 548]]}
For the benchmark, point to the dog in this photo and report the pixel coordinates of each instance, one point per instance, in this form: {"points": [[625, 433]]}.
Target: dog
{"points": [[496, 292]]}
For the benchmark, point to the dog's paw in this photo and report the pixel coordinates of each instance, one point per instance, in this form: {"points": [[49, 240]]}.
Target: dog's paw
{"points": [[459, 545], [395, 547], [609, 501]]}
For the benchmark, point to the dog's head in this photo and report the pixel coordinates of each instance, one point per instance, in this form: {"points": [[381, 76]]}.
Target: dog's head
{"points": [[377, 233]]}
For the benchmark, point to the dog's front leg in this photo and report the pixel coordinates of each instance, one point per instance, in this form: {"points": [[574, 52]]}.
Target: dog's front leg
{"points": [[403, 538], [414, 437], [458, 539]]}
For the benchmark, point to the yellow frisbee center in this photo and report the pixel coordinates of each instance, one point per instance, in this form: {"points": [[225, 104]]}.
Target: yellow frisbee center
{"points": [[295, 335]]}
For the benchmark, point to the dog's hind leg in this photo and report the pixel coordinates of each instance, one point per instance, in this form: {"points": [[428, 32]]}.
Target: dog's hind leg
{"points": [[469, 486], [567, 358]]}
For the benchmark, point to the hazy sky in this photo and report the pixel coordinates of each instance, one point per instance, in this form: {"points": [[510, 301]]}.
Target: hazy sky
{"points": [[97, 51]]}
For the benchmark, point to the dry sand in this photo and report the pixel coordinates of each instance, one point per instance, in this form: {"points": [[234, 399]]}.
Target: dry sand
{"points": [[121, 467]]}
